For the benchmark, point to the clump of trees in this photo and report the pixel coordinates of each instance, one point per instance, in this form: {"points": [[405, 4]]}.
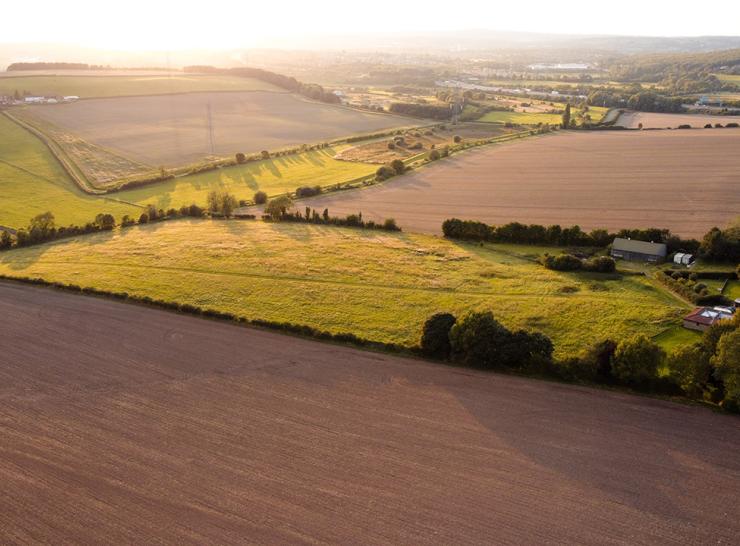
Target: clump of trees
{"points": [[478, 340], [260, 198], [279, 210], [307, 191], [221, 203]]}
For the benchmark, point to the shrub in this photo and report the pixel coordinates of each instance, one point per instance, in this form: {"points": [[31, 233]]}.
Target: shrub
{"points": [[265, 154], [435, 337], [391, 146], [384, 173], [416, 146], [144, 218], [260, 198], [732, 124], [708, 126], [600, 264], [398, 166], [727, 364], [307, 191], [434, 155], [221, 202], [390, 225], [684, 126], [562, 262], [240, 157], [457, 139]]}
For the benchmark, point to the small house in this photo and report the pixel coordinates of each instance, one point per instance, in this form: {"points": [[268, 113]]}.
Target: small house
{"points": [[638, 251], [702, 318]]}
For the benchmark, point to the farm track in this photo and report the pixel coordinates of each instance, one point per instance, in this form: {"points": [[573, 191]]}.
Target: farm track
{"points": [[192, 431]]}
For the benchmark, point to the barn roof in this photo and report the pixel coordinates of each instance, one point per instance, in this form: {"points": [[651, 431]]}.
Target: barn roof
{"points": [[641, 247]]}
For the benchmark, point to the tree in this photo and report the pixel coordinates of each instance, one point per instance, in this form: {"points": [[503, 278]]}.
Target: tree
{"points": [[727, 366], [222, 202], [43, 222], [434, 155], [240, 157], [277, 207], [260, 198], [636, 361], [457, 139], [6, 240], [265, 154], [691, 370], [105, 221], [398, 166], [435, 336], [144, 218], [478, 339], [566, 116]]}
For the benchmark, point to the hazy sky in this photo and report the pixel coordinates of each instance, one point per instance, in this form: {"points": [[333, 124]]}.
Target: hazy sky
{"points": [[152, 24]]}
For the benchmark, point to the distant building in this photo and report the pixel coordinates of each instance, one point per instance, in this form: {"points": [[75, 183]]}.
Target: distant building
{"points": [[34, 100], [70, 98], [702, 318], [639, 251], [683, 258]]}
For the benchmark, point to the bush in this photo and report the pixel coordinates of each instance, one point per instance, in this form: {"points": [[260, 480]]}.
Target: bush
{"points": [[600, 264], [260, 198], [278, 207], [434, 155], [240, 157], [390, 225], [435, 337], [457, 139], [384, 173], [307, 191], [265, 154], [398, 166], [221, 202], [733, 125], [391, 146], [478, 340], [562, 262]]}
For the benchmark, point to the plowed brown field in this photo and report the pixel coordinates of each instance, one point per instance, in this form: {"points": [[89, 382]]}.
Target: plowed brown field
{"points": [[123, 424], [655, 120], [687, 181]]}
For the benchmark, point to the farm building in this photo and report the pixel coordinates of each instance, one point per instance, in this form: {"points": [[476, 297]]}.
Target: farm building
{"points": [[639, 251], [702, 318], [682, 258]]}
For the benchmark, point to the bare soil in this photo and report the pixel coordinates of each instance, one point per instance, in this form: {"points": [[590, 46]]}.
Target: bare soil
{"points": [[172, 130], [653, 120], [124, 424], [686, 181]]}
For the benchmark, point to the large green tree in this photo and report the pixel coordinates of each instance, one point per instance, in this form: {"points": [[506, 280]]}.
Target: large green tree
{"points": [[636, 361], [727, 364]]}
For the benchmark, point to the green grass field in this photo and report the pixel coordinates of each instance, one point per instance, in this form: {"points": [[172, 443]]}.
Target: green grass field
{"points": [[273, 176], [379, 285], [675, 337], [32, 182], [119, 86]]}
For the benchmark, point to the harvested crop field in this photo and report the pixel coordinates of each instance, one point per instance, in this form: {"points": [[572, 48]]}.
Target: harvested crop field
{"points": [[117, 85], [683, 180], [191, 431], [173, 130], [652, 120]]}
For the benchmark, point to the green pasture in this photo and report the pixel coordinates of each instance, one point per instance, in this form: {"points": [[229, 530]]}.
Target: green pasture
{"points": [[378, 285]]}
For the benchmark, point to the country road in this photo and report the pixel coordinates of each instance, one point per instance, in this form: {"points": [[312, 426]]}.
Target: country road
{"points": [[125, 424]]}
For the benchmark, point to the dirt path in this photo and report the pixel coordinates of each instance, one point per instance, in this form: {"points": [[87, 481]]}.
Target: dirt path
{"points": [[124, 424]]}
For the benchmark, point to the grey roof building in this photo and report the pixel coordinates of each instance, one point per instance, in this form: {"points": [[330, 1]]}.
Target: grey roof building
{"points": [[630, 249]]}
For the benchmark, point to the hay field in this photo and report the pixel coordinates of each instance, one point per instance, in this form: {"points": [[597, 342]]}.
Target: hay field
{"points": [[653, 120], [682, 180], [378, 285], [173, 130], [93, 86], [191, 431], [32, 182]]}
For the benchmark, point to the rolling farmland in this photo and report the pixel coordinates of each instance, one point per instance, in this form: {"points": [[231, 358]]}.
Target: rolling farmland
{"points": [[89, 86], [682, 180], [652, 120], [378, 285], [195, 432], [32, 182], [174, 130]]}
